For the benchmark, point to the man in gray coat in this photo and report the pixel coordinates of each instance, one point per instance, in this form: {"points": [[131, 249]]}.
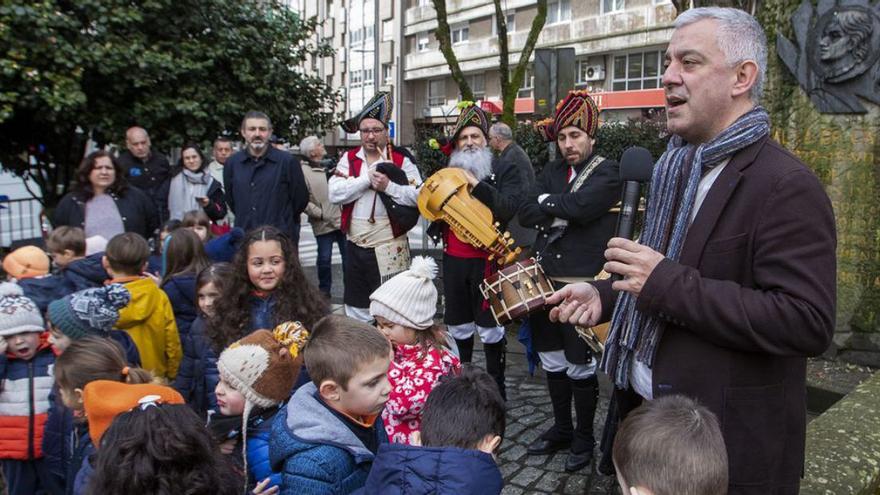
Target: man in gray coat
{"points": [[324, 216]]}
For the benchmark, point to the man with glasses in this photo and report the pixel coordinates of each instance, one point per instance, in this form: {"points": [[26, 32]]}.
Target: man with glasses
{"points": [[376, 247]]}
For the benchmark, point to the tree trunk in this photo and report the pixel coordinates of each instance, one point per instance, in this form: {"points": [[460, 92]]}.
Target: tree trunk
{"points": [[509, 91], [445, 39]]}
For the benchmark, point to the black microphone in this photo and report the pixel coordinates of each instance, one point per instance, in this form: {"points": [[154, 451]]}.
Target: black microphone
{"points": [[636, 166]]}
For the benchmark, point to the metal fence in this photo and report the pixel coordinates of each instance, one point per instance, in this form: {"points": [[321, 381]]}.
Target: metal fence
{"points": [[20, 221]]}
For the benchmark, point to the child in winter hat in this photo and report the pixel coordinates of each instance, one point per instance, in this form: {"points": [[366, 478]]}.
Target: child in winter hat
{"points": [[257, 375], [26, 262], [87, 312], [404, 309], [26, 362]]}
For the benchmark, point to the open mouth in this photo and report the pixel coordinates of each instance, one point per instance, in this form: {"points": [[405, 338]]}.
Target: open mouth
{"points": [[673, 101]]}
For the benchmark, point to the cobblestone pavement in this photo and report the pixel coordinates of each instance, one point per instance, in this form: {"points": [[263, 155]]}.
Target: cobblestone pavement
{"points": [[528, 415]]}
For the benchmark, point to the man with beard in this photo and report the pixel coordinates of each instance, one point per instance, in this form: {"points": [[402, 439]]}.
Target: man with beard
{"points": [[502, 190], [569, 207], [264, 186], [376, 247], [732, 283], [146, 169]]}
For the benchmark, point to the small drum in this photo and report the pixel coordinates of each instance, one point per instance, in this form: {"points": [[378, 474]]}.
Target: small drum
{"points": [[516, 290]]}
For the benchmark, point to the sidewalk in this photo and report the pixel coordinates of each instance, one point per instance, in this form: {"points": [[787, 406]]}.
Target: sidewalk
{"points": [[528, 415]]}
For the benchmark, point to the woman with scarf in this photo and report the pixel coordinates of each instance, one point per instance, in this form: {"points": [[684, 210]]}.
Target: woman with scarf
{"points": [[192, 187]]}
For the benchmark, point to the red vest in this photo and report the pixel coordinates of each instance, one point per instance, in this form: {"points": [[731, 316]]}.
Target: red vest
{"points": [[354, 170]]}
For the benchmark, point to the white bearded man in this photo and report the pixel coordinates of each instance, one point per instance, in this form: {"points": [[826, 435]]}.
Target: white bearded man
{"points": [[502, 188], [376, 247]]}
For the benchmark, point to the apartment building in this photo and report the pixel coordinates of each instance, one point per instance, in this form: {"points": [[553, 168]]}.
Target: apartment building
{"points": [[390, 45]]}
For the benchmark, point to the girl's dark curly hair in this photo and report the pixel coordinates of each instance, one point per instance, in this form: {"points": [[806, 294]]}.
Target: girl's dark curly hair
{"points": [[161, 450], [296, 298]]}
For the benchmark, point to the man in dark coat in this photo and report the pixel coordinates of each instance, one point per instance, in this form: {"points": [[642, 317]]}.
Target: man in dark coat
{"points": [[146, 169], [502, 187], [732, 285], [264, 186], [570, 208], [510, 153]]}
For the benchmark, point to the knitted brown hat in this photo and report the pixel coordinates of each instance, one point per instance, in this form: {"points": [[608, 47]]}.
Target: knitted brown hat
{"points": [[264, 365]]}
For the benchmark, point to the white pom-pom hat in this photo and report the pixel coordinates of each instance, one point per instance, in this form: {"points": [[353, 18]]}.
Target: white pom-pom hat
{"points": [[409, 298], [18, 314]]}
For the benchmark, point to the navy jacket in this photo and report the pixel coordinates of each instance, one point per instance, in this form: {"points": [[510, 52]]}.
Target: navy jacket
{"points": [[151, 177], [270, 190], [84, 273], [197, 376], [315, 452], [262, 312], [407, 470]]}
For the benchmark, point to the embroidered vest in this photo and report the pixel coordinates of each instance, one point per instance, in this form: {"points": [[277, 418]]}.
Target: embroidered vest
{"points": [[354, 170]]}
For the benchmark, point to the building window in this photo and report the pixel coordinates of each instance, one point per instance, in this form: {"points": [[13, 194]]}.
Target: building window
{"points": [[637, 71], [357, 36], [477, 82], [422, 42], [387, 74], [388, 30], [609, 6], [368, 77], [525, 91], [510, 19], [436, 92], [424, 3], [559, 11], [356, 77], [459, 34], [369, 31]]}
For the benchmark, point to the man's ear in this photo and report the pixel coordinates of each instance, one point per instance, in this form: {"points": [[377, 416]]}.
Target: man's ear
{"points": [[78, 394], [416, 439], [104, 263], [746, 77], [489, 444], [329, 390], [68, 253]]}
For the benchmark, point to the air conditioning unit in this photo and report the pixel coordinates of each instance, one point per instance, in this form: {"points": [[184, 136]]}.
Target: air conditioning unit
{"points": [[594, 73]]}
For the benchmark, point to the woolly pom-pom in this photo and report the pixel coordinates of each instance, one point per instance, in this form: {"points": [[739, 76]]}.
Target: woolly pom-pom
{"points": [[118, 295], [292, 335], [10, 289], [464, 104], [434, 144], [424, 267]]}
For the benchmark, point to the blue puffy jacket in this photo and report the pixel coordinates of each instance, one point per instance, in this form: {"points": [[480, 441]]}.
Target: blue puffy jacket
{"points": [[259, 429], [84, 273], [181, 292], [198, 377], [315, 452], [407, 470]]}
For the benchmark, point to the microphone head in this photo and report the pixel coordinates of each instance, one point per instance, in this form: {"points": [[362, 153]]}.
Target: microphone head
{"points": [[636, 164]]}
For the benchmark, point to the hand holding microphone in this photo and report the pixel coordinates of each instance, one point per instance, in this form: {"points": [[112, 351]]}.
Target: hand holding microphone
{"points": [[626, 258]]}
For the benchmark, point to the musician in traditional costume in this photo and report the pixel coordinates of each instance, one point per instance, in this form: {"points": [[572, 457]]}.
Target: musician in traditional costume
{"points": [[569, 207], [376, 246], [502, 190]]}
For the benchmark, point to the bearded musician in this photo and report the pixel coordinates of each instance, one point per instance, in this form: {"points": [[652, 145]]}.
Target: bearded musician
{"points": [[501, 188]]}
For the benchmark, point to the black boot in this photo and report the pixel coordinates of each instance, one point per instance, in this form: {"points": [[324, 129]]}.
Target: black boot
{"points": [[559, 435], [496, 362], [465, 349], [586, 395]]}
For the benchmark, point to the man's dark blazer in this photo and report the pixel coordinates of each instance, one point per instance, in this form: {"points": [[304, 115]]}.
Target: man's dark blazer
{"points": [[752, 296]]}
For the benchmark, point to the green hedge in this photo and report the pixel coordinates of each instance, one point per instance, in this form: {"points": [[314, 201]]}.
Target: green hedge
{"points": [[611, 139]]}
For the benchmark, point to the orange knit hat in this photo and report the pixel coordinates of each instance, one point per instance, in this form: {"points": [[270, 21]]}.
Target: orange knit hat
{"points": [[26, 262], [103, 400]]}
